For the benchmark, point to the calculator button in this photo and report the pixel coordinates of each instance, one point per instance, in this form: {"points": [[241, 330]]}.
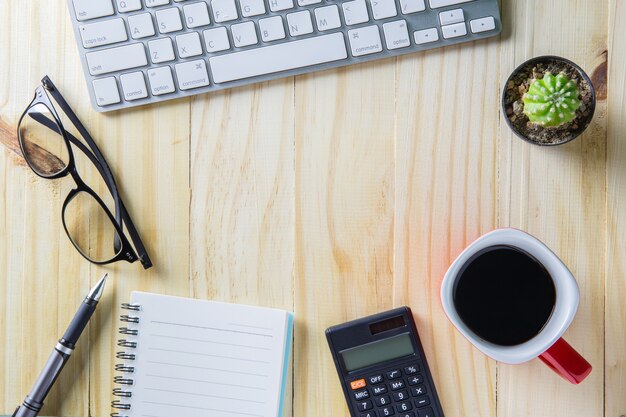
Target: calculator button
{"points": [[369, 414], [421, 402], [418, 391], [358, 384], [361, 395], [364, 405], [416, 380], [410, 370], [394, 374], [400, 395], [396, 385], [403, 407], [387, 411], [409, 414], [379, 389], [382, 401], [375, 379], [426, 412]]}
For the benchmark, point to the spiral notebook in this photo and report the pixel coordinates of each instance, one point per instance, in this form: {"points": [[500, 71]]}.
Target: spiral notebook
{"points": [[195, 358]]}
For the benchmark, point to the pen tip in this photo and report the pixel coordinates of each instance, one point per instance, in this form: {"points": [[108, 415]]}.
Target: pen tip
{"points": [[96, 292]]}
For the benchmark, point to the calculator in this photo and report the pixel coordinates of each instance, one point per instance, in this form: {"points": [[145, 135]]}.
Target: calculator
{"points": [[382, 366]]}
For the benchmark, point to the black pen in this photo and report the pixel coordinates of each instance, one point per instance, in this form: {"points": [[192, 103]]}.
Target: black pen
{"points": [[61, 354]]}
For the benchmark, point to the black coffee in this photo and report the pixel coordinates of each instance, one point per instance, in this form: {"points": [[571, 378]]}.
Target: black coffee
{"points": [[504, 295]]}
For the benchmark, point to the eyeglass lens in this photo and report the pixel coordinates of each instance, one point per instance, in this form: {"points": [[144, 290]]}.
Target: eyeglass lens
{"points": [[42, 143]]}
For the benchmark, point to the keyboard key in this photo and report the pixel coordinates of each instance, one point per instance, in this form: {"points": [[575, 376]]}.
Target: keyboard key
{"points": [[396, 385], [103, 33], [416, 380], [196, 15], [189, 45], [161, 50], [358, 384], [394, 374], [141, 26], [125, 6], [369, 414], [272, 28], [375, 379], [116, 59], [454, 31], [327, 18], [278, 5], [386, 411], [426, 36], [365, 41], [91, 9], [396, 35], [483, 25], [364, 405], [409, 414], [308, 2], [106, 92], [404, 407], [435, 4], [379, 390], [244, 34], [168, 20], [451, 16], [224, 10], [400, 395], [280, 57], [382, 9], [299, 23], [192, 75], [355, 12], [412, 6], [418, 391], [155, 3], [134, 86], [422, 402], [216, 40], [252, 7], [425, 412], [161, 81], [382, 401], [361, 395], [410, 370]]}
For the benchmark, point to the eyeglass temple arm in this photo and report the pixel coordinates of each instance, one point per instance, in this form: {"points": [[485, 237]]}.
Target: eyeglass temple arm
{"points": [[109, 181]]}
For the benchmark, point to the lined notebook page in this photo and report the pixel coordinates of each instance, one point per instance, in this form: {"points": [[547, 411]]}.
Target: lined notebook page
{"points": [[207, 359]]}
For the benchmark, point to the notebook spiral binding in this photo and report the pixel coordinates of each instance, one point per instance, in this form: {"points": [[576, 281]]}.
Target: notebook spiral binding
{"points": [[125, 380]]}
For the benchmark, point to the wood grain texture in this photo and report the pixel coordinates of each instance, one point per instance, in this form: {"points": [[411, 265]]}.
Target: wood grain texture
{"points": [[615, 316], [335, 194]]}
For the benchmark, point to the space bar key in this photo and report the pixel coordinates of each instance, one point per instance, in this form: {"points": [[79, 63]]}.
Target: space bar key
{"points": [[276, 58]]}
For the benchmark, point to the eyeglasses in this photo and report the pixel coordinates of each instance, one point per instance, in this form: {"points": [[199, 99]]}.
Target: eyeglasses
{"points": [[47, 148]]}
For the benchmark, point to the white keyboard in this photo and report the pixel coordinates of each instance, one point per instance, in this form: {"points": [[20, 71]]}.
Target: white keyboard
{"points": [[137, 52]]}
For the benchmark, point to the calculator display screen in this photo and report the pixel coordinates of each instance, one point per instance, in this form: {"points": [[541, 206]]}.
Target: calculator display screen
{"points": [[377, 352]]}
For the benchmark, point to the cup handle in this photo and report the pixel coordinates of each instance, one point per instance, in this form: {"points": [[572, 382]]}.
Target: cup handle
{"points": [[565, 361]]}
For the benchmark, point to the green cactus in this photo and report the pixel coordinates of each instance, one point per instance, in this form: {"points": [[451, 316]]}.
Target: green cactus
{"points": [[552, 101]]}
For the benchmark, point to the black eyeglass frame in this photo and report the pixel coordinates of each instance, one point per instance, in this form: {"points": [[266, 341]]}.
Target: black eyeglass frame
{"points": [[123, 249]]}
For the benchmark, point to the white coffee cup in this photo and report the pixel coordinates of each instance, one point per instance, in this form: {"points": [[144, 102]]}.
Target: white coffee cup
{"points": [[547, 345]]}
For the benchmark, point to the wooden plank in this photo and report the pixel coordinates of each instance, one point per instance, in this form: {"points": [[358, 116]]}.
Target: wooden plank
{"points": [[344, 217], [615, 318], [241, 211], [445, 198], [558, 195]]}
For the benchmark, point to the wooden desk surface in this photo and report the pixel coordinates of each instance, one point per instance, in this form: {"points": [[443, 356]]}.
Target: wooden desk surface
{"points": [[336, 195]]}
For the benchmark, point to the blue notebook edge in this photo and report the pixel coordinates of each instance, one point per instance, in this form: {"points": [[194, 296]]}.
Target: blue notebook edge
{"points": [[288, 347]]}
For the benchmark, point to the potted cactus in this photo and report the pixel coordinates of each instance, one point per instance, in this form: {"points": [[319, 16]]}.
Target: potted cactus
{"points": [[548, 101]]}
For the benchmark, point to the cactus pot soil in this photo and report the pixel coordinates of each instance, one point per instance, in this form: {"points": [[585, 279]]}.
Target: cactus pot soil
{"points": [[519, 83]]}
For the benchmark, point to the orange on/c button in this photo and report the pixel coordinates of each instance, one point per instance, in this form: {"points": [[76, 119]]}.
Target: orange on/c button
{"points": [[359, 383]]}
